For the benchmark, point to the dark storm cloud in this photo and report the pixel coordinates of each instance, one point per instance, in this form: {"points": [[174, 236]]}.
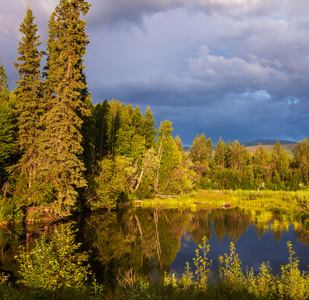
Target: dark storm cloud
{"points": [[111, 12], [231, 68]]}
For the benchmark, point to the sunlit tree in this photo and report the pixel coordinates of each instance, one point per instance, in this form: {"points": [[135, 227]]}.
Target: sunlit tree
{"points": [[64, 89], [30, 107], [6, 125], [301, 157]]}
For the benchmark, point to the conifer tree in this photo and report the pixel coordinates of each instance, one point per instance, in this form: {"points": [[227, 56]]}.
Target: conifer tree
{"points": [[87, 129], [65, 94], [6, 125], [113, 119], [220, 153], [125, 132], [201, 149], [137, 141], [30, 106], [301, 157], [280, 161], [261, 164], [179, 144], [149, 129], [198, 150], [100, 113], [237, 156], [4, 88], [209, 146], [200, 153]]}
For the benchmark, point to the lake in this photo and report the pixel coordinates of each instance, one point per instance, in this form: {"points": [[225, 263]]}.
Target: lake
{"points": [[155, 241]]}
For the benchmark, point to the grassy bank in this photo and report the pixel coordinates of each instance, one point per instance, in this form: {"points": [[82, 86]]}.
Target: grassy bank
{"points": [[275, 209], [240, 198]]}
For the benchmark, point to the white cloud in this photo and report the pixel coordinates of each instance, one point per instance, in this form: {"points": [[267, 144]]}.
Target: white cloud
{"points": [[225, 73]]}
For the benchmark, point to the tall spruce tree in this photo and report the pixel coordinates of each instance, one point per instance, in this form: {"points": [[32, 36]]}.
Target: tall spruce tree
{"points": [[30, 108], [99, 113], [113, 120], [149, 129], [67, 106], [261, 166], [137, 141], [6, 125], [280, 161], [220, 153], [125, 132], [198, 150], [301, 157]]}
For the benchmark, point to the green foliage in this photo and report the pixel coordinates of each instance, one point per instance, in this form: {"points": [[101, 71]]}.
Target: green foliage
{"points": [[262, 284], [30, 105], [220, 153], [99, 113], [292, 282], [301, 158], [201, 149], [6, 125], [113, 124], [65, 92], [233, 167], [203, 265], [149, 129], [248, 179], [114, 183], [145, 183], [7, 209], [110, 151], [123, 134], [52, 264], [169, 160], [230, 271], [280, 161], [237, 156]]}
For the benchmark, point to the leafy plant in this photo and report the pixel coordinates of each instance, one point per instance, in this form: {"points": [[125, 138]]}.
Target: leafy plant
{"points": [[230, 270], [292, 282], [53, 264], [203, 264]]}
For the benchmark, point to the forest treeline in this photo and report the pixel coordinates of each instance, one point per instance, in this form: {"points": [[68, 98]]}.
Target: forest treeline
{"points": [[61, 153]]}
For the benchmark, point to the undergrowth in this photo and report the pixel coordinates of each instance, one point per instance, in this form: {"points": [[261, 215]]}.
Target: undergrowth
{"points": [[231, 282]]}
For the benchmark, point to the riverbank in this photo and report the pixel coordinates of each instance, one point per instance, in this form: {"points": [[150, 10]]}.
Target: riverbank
{"points": [[240, 198], [280, 208]]}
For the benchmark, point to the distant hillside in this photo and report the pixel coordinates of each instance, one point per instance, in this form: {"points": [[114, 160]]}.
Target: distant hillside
{"points": [[268, 143], [288, 146]]}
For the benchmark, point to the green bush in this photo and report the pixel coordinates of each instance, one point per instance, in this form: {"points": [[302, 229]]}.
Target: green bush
{"points": [[53, 264]]}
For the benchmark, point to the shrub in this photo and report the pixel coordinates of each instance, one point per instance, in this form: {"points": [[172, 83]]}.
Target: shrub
{"points": [[53, 264]]}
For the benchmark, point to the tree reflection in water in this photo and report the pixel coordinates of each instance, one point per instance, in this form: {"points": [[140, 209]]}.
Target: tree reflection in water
{"points": [[151, 241]]}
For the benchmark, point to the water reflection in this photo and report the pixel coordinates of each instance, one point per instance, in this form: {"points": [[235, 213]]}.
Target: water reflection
{"points": [[152, 241]]}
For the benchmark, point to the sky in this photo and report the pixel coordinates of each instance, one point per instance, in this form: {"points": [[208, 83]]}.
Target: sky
{"points": [[236, 69]]}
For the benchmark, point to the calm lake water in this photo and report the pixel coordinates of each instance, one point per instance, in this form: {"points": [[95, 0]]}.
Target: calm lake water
{"points": [[154, 241]]}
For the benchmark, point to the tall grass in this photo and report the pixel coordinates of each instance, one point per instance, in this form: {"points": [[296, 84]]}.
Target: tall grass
{"points": [[231, 282]]}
